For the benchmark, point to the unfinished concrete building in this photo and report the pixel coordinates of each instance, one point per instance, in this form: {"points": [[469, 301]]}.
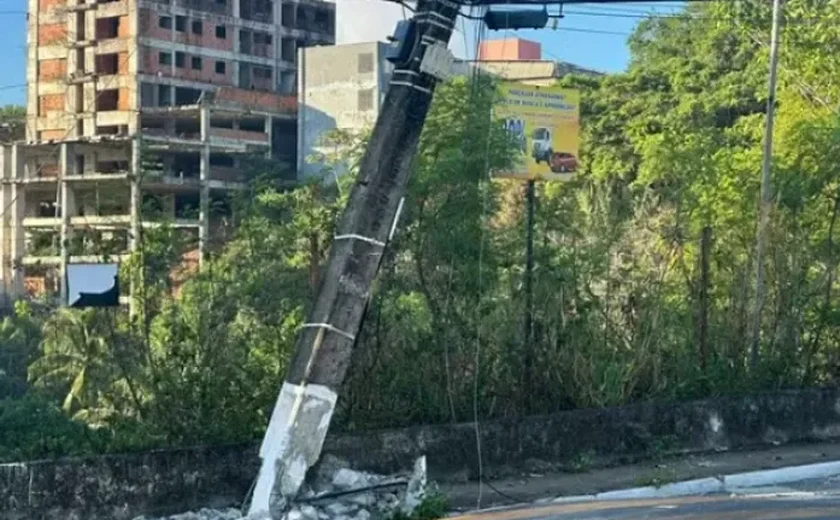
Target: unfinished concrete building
{"points": [[142, 110]]}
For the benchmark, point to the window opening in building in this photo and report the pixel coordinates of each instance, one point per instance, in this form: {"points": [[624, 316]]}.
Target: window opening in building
{"points": [[186, 96], [165, 22], [197, 27], [196, 63], [181, 23], [365, 62], [221, 32], [225, 161], [186, 206], [164, 95], [165, 58], [107, 64], [262, 72], [107, 28], [221, 67], [107, 100], [47, 209], [365, 100], [180, 59]]}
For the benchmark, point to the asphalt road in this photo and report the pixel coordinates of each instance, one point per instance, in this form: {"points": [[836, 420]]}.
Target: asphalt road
{"points": [[791, 506]]}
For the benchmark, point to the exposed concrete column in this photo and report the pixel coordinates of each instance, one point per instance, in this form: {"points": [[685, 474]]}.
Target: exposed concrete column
{"points": [[18, 205], [133, 66], [5, 199], [269, 129], [135, 178], [32, 81], [65, 218], [204, 183], [9, 175]]}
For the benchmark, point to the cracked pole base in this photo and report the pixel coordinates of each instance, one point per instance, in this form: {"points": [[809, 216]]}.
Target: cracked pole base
{"points": [[292, 445]]}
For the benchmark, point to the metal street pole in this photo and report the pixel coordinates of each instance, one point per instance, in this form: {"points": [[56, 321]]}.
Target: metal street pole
{"points": [[307, 399], [765, 204]]}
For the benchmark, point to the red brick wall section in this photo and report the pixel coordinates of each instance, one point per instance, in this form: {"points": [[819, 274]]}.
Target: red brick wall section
{"points": [[50, 103], [124, 28], [47, 5], [183, 271], [122, 63], [50, 70], [149, 62], [46, 135], [229, 133], [123, 101], [48, 169], [268, 101], [52, 33], [34, 286]]}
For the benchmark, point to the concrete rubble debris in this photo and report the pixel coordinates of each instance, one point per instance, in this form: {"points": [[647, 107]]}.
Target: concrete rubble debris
{"points": [[335, 492], [203, 514]]}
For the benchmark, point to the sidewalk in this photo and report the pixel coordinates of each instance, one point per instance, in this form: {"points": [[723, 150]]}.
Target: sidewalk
{"points": [[532, 487]]}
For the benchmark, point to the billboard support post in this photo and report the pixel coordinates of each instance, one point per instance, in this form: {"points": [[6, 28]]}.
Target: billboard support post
{"points": [[544, 123], [528, 351]]}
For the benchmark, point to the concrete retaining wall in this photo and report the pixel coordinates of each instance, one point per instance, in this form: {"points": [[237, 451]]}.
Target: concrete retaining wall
{"points": [[159, 482]]}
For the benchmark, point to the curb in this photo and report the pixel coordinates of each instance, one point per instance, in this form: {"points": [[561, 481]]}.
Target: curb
{"points": [[707, 486]]}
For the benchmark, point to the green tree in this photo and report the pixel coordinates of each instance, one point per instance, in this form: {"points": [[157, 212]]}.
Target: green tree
{"points": [[12, 123]]}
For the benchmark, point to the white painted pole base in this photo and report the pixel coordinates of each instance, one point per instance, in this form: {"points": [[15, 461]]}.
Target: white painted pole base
{"points": [[292, 445]]}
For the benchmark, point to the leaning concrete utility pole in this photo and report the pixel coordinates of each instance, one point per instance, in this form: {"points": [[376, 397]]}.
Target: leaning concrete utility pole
{"points": [[302, 415]]}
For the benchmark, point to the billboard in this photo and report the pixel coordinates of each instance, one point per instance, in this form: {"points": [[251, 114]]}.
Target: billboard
{"points": [[92, 285], [545, 122]]}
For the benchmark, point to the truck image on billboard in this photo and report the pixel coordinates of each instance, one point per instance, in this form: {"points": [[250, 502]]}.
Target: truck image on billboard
{"points": [[545, 124]]}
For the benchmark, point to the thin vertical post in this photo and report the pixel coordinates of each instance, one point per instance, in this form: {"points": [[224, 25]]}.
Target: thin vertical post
{"points": [[703, 317], [528, 350], [764, 210]]}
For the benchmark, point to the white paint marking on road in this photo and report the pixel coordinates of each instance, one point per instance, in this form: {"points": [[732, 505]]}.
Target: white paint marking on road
{"points": [[739, 483]]}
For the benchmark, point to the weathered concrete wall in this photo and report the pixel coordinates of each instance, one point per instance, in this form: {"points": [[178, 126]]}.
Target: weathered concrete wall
{"points": [[160, 482]]}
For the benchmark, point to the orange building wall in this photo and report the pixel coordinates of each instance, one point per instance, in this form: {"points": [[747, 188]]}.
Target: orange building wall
{"points": [[513, 49]]}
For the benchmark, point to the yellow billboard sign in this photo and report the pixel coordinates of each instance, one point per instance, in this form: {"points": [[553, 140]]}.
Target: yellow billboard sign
{"points": [[545, 123]]}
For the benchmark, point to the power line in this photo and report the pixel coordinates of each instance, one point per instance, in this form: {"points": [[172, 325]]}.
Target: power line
{"points": [[591, 31]]}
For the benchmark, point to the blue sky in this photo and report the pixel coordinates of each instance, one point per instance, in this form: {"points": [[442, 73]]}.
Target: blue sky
{"points": [[13, 54], [591, 35]]}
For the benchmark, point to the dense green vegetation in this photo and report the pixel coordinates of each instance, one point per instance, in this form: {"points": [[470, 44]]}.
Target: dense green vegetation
{"points": [[671, 147], [12, 123]]}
